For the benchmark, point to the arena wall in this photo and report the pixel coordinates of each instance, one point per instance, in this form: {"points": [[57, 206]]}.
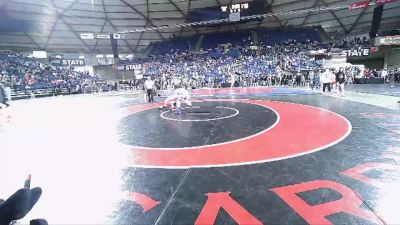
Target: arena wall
{"points": [[107, 72], [393, 58]]}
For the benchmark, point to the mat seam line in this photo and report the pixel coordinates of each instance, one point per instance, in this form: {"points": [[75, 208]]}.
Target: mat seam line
{"points": [[172, 197]]}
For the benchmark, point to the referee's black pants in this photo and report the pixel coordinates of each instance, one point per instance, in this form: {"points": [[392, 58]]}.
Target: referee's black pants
{"points": [[150, 95], [326, 85], [5, 102]]}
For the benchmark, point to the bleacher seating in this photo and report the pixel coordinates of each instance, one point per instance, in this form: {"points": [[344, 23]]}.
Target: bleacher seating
{"points": [[177, 45], [240, 38], [28, 77], [271, 37], [277, 53]]}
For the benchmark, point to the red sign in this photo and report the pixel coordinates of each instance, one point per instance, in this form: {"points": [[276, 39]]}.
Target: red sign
{"points": [[359, 5], [374, 49], [380, 2]]}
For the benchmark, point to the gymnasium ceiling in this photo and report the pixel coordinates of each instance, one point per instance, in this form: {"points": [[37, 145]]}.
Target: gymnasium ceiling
{"points": [[59, 23]]}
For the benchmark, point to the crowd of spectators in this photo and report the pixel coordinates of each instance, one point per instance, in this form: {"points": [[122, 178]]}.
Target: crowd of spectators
{"points": [[389, 76], [346, 44], [246, 64], [285, 63], [25, 74]]}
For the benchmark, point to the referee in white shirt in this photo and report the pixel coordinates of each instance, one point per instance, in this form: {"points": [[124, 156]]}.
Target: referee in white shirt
{"points": [[149, 87]]}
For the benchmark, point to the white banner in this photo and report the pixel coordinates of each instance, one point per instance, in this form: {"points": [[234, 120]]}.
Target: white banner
{"points": [[130, 67], [133, 67], [87, 36], [390, 40], [103, 36], [354, 52], [73, 62]]}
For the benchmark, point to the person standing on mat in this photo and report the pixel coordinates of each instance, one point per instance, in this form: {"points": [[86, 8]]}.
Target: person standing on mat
{"points": [[326, 81], [149, 87], [340, 79]]}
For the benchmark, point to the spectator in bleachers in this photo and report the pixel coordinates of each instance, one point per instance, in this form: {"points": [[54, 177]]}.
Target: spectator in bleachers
{"points": [[3, 96], [397, 76]]}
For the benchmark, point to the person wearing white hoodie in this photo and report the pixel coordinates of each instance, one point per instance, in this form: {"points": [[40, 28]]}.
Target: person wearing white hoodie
{"points": [[326, 80]]}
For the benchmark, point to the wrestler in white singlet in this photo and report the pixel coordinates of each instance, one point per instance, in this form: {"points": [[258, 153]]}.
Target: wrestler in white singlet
{"points": [[184, 97]]}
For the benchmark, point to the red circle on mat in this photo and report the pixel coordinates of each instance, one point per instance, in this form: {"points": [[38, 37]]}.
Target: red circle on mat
{"points": [[301, 130]]}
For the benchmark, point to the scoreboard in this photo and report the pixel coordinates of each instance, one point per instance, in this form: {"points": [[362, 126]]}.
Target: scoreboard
{"points": [[233, 12]]}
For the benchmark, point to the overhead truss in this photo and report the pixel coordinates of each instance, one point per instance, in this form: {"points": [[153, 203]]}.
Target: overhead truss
{"points": [[146, 21]]}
